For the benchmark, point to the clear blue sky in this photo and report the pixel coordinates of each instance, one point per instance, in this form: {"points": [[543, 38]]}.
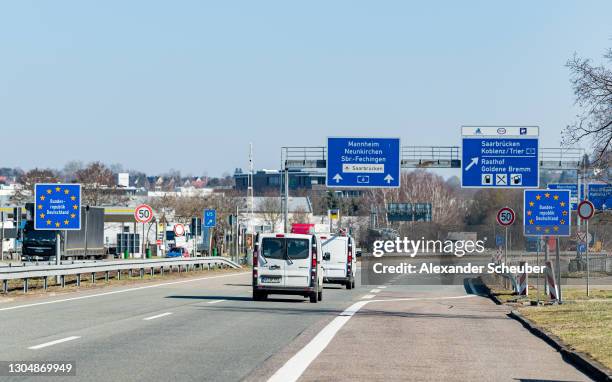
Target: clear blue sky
{"points": [[188, 84]]}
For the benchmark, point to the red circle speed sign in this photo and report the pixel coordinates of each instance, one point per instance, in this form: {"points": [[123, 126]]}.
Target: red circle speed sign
{"points": [[505, 216], [179, 229], [586, 210], [143, 213]]}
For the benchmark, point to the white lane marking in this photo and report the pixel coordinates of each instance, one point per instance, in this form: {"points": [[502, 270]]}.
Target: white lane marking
{"points": [[296, 365], [368, 296], [36, 347], [375, 291], [216, 301], [381, 286], [294, 368], [158, 316], [120, 291]]}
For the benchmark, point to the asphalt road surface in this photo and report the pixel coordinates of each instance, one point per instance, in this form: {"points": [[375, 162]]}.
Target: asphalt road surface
{"points": [[207, 328]]}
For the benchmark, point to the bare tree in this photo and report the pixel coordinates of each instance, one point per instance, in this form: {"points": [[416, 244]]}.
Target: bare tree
{"points": [[593, 90], [99, 185], [26, 182], [299, 216], [271, 210]]}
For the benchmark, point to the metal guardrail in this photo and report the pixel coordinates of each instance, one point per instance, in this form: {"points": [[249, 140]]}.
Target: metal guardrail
{"points": [[45, 271]]}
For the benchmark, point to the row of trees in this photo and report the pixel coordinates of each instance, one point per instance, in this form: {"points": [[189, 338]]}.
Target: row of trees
{"points": [[98, 180]]}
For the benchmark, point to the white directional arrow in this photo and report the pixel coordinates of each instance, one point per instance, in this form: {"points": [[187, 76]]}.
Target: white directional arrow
{"points": [[337, 178], [472, 163], [388, 178]]}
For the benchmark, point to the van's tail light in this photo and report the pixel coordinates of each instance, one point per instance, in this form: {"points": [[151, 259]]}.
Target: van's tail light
{"points": [[349, 262], [313, 269], [255, 262]]}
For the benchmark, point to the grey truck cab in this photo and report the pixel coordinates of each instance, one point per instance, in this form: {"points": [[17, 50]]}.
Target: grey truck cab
{"points": [[287, 263]]}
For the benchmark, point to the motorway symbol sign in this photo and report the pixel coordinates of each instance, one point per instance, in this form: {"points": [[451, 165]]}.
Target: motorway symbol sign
{"points": [[586, 210], [210, 218], [500, 157], [143, 213], [505, 216], [179, 229], [573, 187], [547, 213], [57, 206], [363, 162], [600, 194]]}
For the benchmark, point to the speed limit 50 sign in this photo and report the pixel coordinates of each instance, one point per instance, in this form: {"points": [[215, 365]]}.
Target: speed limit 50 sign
{"points": [[143, 213], [505, 216]]}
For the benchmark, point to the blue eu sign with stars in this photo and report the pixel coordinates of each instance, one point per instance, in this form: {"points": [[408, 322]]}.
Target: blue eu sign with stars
{"points": [[547, 213], [57, 206]]}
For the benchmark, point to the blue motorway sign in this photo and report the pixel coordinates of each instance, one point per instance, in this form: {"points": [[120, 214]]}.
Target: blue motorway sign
{"points": [[547, 213], [601, 196], [499, 157], [573, 188], [363, 162], [57, 206], [210, 218]]}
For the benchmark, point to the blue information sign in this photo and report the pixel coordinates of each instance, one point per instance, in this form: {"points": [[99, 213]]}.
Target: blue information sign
{"points": [[573, 188], [499, 157], [547, 213], [57, 206], [363, 162], [210, 218], [601, 196]]}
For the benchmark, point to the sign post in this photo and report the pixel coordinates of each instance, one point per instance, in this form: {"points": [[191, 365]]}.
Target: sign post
{"points": [[586, 210], [363, 162], [548, 213], [500, 157], [505, 217], [57, 206], [143, 214]]}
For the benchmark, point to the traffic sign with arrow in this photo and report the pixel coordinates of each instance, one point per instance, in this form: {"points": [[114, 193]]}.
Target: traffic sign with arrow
{"points": [[363, 162]]}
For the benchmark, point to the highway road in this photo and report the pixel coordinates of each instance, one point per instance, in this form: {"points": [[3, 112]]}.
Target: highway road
{"points": [[207, 328]]}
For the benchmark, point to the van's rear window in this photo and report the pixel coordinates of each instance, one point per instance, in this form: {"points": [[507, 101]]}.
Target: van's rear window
{"points": [[273, 248], [297, 248], [280, 248]]}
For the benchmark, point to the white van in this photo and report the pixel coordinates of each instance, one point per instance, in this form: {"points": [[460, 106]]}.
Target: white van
{"points": [[339, 261], [287, 263]]}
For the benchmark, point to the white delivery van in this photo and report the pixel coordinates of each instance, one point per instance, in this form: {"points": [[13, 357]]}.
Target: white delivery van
{"points": [[287, 263], [339, 261]]}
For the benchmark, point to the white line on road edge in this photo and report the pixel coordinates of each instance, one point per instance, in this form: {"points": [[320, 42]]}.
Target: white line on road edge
{"points": [[368, 296], [375, 291], [36, 347], [296, 365], [216, 301], [120, 291], [158, 316], [381, 287]]}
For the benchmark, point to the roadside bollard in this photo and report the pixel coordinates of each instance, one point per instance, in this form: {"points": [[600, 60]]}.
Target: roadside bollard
{"points": [[93, 277], [5, 286], [45, 282], [25, 285], [78, 280], [106, 276]]}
